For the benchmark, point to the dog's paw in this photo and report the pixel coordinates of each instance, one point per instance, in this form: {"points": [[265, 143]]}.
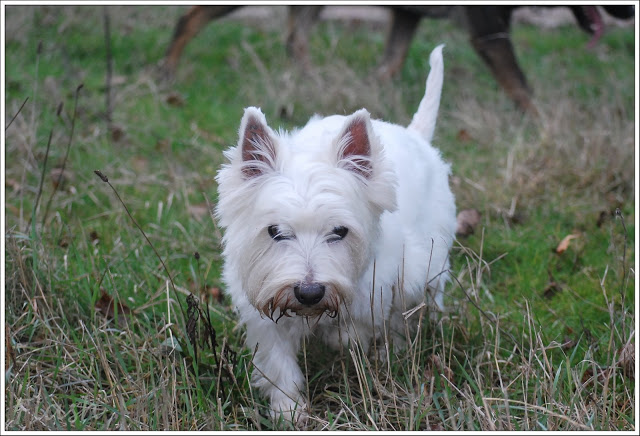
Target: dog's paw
{"points": [[291, 411]]}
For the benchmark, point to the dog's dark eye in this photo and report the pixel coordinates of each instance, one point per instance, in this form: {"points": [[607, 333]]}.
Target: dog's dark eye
{"points": [[276, 234], [338, 234]]}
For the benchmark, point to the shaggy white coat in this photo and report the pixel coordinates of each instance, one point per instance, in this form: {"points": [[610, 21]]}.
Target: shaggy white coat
{"points": [[385, 183]]}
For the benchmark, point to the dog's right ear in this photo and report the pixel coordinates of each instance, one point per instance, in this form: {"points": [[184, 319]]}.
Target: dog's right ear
{"points": [[354, 144], [257, 144]]}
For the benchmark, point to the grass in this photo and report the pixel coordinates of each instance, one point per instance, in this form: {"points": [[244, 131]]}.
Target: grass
{"points": [[98, 338]]}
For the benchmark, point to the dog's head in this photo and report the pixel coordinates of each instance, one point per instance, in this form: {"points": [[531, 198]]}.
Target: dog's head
{"points": [[301, 213]]}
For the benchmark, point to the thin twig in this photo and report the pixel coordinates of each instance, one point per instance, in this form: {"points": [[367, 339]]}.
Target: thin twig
{"points": [[44, 170], [66, 156], [17, 113], [106, 180]]}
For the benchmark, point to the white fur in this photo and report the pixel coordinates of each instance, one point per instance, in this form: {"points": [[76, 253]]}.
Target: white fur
{"points": [[395, 202]]}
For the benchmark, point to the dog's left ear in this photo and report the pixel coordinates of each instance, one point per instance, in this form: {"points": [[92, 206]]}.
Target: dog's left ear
{"points": [[354, 144], [256, 143]]}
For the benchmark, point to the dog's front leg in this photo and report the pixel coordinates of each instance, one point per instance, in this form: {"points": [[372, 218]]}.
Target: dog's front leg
{"points": [[276, 372]]}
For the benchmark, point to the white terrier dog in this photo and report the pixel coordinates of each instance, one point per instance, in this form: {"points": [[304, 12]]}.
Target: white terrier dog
{"points": [[350, 218]]}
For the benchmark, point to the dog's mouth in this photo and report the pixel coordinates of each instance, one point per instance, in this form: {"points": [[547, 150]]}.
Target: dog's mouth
{"points": [[285, 304]]}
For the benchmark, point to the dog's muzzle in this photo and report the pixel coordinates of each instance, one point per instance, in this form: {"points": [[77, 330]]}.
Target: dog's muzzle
{"points": [[309, 294], [307, 299]]}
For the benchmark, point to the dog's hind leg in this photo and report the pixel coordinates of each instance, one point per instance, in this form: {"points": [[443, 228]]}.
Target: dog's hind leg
{"points": [[489, 32], [186, 29], [403, 28]]}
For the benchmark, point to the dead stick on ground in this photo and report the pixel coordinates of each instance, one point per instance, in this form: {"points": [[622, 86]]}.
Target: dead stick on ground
{"points": [[44, 171], [66, 156], [106, 180], [17, 113]]}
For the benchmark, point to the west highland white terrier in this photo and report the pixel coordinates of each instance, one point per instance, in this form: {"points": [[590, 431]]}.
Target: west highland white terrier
{"points": [[333, 232]]}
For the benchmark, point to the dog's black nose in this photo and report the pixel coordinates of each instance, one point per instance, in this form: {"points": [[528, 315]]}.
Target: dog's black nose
{"points": [[309, 294]]}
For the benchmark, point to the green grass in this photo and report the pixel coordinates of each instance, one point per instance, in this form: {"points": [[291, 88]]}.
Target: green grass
{"points": [[512, 353]]}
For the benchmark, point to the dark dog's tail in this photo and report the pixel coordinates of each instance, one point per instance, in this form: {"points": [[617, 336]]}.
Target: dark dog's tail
{"points": [[424, 120]]}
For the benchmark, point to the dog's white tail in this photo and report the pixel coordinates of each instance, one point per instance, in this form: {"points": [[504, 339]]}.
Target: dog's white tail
{"points": [[424, 120]]}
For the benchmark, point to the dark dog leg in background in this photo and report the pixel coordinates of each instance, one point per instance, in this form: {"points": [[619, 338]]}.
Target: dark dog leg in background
{"points": [[405, 21], [402, 30], [301, 19], [489, 32], [187, 28]]}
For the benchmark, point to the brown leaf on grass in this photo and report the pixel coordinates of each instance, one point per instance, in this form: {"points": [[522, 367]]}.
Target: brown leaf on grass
{"points": [[10, 356], [468, 220], [175, 99], [603, 217], [208, 292], [463, 136], [587, 377], [162, 145], [107, 306], [93, 236], [60, 177], [117, 133], [568, 343], [215, 293], [564, 244], [551, 290]]}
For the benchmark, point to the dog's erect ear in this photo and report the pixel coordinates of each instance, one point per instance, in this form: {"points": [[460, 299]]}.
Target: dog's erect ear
{"points": [[256, 143], [354, 144]]}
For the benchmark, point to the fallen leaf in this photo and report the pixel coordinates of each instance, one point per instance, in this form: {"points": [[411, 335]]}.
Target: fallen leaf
{"points": [[59, 177], [106, 305], [468, 220], [175, 99], [10, 354], [94, 237], [162, 145], [551, 290], [215, 293], [587, 376], [117, 133], [564, 244], [568, 344], [463, 136], [604, 215]]}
